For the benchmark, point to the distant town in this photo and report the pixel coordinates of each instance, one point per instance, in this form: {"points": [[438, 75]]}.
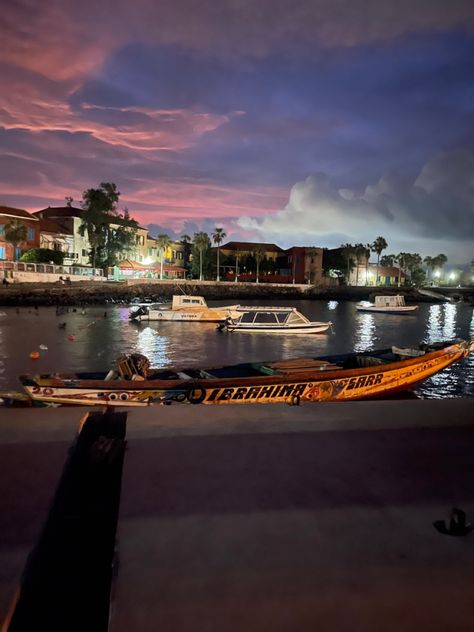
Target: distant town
{"points": [[95, 240]]}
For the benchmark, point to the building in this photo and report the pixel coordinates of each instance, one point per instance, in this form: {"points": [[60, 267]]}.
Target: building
{"points": [[9, 251], [387, 275], [301, 264], [54, 236], [69, 220]]}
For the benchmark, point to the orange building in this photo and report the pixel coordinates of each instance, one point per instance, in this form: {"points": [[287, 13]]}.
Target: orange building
{"points": [[11, 252]]}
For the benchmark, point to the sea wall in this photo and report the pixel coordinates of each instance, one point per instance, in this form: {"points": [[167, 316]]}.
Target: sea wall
{"points": [[99, 293]]}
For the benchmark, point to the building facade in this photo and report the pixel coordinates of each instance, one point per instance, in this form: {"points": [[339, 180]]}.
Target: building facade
{"points": [[10, 251]]}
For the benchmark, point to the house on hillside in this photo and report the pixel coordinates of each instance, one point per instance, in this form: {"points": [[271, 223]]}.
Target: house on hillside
{"points": [[9, 251]]}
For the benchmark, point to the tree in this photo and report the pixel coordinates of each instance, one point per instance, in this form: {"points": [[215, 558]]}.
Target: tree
{"points": [[218, 237], [439, 261], [163, 242], [388, 261], [360, 250], [201, 243], [259, 255], [429, 262], [348, 252], [43, 255], [401, 258], [378, 247], [15, 234], [109, 231]]}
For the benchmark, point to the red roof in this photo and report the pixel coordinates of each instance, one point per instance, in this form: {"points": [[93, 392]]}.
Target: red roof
{"points": [[50, 226], [9, 211]]}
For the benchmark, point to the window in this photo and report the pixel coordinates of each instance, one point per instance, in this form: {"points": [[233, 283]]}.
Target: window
{"points": [[84, 253], [2, 252], [2, 229], [31, 234]]}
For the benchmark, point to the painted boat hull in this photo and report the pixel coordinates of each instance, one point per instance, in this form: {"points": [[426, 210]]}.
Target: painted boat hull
{"points": [[326, 383], [408, 309], [310, 328]]}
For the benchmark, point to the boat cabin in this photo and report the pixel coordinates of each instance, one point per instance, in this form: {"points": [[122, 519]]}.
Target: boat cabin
{"points": [[181, 301], [390, 301], [270, 316]]}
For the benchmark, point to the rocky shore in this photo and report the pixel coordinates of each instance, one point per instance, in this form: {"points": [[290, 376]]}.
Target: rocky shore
{"points": [[97, 293]]}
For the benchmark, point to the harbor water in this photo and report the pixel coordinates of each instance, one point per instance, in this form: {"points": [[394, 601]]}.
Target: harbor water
{"points": [[91, 338]]}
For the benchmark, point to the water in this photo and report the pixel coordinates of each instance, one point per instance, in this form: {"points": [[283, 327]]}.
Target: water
{"points": [[98, 340]]}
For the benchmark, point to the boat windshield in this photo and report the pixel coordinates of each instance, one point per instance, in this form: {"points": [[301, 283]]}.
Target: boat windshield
{"points": [[265, 317]]}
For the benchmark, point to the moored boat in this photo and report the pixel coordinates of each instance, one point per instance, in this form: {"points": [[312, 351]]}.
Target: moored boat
{"points": [[326, 378], [183, 308], [388, 305], [273, 320]]}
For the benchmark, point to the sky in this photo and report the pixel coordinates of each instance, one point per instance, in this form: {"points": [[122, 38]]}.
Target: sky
{"points": [[298, 122]]}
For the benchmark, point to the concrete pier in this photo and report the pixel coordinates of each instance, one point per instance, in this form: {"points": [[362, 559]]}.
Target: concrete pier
{"points": [[269, 517]]}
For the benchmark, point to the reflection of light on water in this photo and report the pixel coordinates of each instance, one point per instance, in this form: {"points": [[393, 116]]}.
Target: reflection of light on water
{"points": [[457, 379], [365, 334], [154, 347], [441, 324], [433, 328], [332, 305], [449, 321]]}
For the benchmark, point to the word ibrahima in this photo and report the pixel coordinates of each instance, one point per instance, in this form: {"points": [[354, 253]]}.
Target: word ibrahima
{"points": [[288, 390]]}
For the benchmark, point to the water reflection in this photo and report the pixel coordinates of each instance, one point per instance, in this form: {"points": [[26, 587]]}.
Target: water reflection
{"points": [[365, 333], [154, 347], [441, 324], [332, 305]]}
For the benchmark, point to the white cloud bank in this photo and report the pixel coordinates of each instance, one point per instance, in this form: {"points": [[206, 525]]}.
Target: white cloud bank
{"points": [[431, 214]]}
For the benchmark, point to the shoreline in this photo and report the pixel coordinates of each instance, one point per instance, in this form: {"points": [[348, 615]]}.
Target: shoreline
{"points": [[103, 293]]}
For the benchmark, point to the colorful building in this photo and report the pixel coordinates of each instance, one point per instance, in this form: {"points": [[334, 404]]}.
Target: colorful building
{"points": [[12, 252]]}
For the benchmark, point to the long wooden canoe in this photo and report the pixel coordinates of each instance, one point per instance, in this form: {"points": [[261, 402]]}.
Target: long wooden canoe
{"points": [[327, 378]]}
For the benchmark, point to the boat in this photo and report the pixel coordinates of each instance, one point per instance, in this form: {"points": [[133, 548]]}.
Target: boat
{"points": [[273, 320], [394, 304], [182, 308], [351, 376]]}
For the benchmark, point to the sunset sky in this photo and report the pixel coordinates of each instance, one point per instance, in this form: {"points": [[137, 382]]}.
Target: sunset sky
{"points": [[300, 122]]}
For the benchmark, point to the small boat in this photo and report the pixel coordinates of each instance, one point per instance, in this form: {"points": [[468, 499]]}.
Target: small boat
{"points": [[327, 378], [183, 308], [388, 305], [273, 320]]}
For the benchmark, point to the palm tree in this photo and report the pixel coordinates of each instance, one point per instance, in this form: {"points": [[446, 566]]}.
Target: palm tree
{"points": [[439, 261], [163, 242], [429, 261], [15, 234], [201, 241], [259, 254], [348, 251], [237, 259], [402, 259], [378, 247], [359, 250], [368, 249], [218, 237]]}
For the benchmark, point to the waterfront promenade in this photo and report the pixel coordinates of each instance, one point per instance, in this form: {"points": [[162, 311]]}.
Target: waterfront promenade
{"points": [[267, 517]]}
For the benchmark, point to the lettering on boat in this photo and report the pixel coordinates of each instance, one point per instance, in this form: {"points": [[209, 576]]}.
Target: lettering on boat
{"points": [[256, 392], [364, 380]]}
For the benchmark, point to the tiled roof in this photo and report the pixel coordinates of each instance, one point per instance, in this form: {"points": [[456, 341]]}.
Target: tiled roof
{"points": [[248, 245], [50, 226], [59, 211], [9, 211]]}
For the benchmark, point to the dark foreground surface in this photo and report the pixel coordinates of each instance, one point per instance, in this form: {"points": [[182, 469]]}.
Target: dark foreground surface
{"points": [[267, 517]]}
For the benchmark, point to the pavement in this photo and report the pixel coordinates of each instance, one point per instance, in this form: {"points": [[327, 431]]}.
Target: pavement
{"points": [[268, 517]]}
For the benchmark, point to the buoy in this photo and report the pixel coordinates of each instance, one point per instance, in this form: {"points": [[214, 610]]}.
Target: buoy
{"points": [[34, 355], [71, 337]]}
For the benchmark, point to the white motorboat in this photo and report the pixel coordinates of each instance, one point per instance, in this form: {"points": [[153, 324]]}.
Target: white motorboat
{"points": [[275, 320], [183, 308], [388, 305]]}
